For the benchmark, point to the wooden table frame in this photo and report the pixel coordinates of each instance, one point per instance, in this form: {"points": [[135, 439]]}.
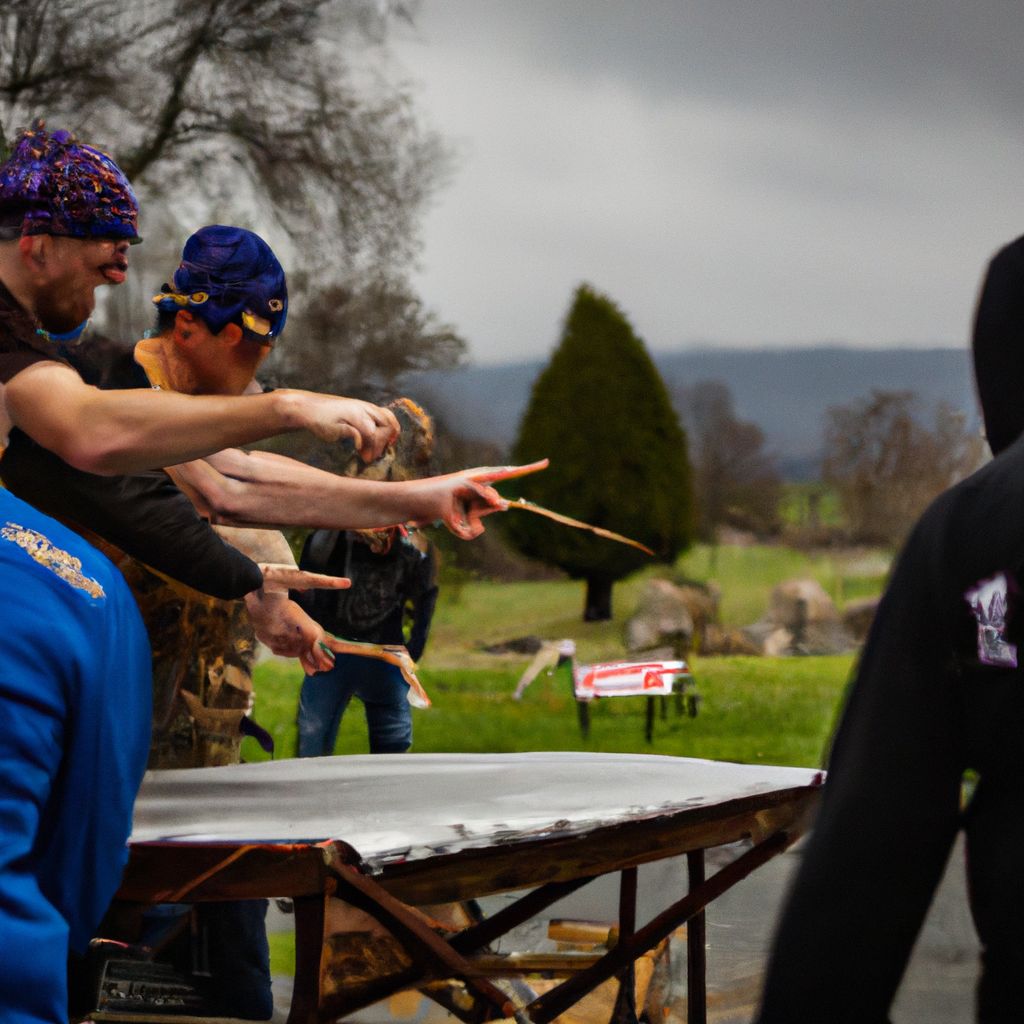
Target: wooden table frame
{"points": [[550, 868]]}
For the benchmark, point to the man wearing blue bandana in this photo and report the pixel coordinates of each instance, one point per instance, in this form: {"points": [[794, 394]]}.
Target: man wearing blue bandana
{"points": [[74, 674], [226, 303]]}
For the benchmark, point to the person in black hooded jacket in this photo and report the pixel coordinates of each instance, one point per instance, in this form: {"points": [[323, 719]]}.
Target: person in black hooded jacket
{"points": [[938, 691]]}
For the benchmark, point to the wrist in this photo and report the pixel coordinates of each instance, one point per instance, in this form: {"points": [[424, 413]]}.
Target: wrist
{"points": [[288, 409], [419, 501]]}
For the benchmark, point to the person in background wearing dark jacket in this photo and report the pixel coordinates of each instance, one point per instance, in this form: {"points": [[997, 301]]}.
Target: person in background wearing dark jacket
{"points": [[391, 575], [384, 584], [939, 690]]}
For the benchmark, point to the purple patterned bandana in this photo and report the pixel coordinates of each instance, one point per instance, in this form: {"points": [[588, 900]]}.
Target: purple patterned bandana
{"points": [[53, 185]]}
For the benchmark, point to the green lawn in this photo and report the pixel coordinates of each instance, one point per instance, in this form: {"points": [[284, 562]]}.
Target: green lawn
{"points": [[768, 710], [486, 612], [752, 709], [746, 575]]}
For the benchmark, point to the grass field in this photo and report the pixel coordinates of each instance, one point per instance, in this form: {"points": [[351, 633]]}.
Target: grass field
{"points": [[752, 709], [488, 612], [768, 710]]}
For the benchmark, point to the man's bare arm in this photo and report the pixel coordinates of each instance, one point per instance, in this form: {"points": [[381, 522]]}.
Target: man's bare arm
{"points": [[111, 432], [238, 488]]}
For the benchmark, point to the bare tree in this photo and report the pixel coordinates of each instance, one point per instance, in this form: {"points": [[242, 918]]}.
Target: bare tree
{"points": [[269, 113], [360, 341], [887, 464], [735, 480], [229, 98]]}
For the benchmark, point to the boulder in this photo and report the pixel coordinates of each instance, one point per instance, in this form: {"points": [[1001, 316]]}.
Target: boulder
{"points": [[796, 603], [662, 618], [801, 619]]}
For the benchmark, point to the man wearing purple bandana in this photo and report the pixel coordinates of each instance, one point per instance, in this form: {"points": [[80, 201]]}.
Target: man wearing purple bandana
{"points": [[67, 217]]}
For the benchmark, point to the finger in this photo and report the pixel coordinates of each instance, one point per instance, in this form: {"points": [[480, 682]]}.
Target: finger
{"points": [[481, 500], [490, 474], [376, 445], [351, 432], [473, 530], [376, 439], [464, 525], [390, 421], [298, 579], [319, 655], [321, 659]]}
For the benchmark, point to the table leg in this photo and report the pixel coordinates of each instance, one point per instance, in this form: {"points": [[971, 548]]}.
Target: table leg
{"points": [[696, 951], [625, 1001], [309, 944]]}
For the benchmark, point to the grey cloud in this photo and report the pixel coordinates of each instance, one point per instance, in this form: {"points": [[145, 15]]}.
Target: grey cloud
{"points": [[766, 171], [802, 51]]}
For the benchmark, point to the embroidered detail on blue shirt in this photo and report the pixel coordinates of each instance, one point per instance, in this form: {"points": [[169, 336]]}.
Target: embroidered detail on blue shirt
{"points": [[989, 600], [61, 563]]}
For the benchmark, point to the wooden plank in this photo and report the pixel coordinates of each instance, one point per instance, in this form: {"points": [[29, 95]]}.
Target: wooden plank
{"points": [[158, 872]]}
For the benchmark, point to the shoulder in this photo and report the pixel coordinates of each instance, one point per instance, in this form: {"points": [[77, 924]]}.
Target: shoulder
{"points": [[972, 530], [54, 557]]}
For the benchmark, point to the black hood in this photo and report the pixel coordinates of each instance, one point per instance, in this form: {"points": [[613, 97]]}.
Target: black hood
{"points": [[999, 347]]}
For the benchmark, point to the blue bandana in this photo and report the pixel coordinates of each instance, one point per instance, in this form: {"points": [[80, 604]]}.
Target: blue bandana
{"points": [[229, 275]]}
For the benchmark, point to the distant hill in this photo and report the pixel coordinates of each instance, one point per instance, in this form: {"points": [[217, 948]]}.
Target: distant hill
{"points": [[784, 391]]}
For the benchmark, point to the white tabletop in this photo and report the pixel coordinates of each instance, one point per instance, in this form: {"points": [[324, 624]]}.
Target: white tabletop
{"points": [[414, 806]]}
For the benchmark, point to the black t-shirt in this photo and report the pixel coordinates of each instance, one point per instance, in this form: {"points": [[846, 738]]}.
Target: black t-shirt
{"points": [[143, 514], [373, 609]]}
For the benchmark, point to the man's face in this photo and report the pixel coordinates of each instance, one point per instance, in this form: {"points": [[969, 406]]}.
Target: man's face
{"points": [[73, 269], [222, 364], [239, 362]]}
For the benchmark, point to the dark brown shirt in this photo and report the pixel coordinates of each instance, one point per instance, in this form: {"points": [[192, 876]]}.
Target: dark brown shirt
{"points": [[20, 343], [142, 514]]}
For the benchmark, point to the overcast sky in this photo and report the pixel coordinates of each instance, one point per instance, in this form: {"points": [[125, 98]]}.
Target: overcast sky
{"points": [[772, 172]]}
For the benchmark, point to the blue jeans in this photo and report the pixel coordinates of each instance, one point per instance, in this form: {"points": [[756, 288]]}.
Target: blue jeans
{"points": [[381, 688]]}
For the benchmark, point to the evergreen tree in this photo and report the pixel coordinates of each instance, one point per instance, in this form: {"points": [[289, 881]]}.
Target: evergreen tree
{"points": [[601, 413]]}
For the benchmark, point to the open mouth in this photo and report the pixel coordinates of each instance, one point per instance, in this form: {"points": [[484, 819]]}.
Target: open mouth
{"points": [[116, 271]]}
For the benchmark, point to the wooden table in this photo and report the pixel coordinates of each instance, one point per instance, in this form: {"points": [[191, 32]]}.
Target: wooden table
{"points": [[389, 833]]}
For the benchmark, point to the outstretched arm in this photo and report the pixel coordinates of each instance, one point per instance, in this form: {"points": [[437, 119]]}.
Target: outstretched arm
{"points": [[111, 432], [240, 488]]}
